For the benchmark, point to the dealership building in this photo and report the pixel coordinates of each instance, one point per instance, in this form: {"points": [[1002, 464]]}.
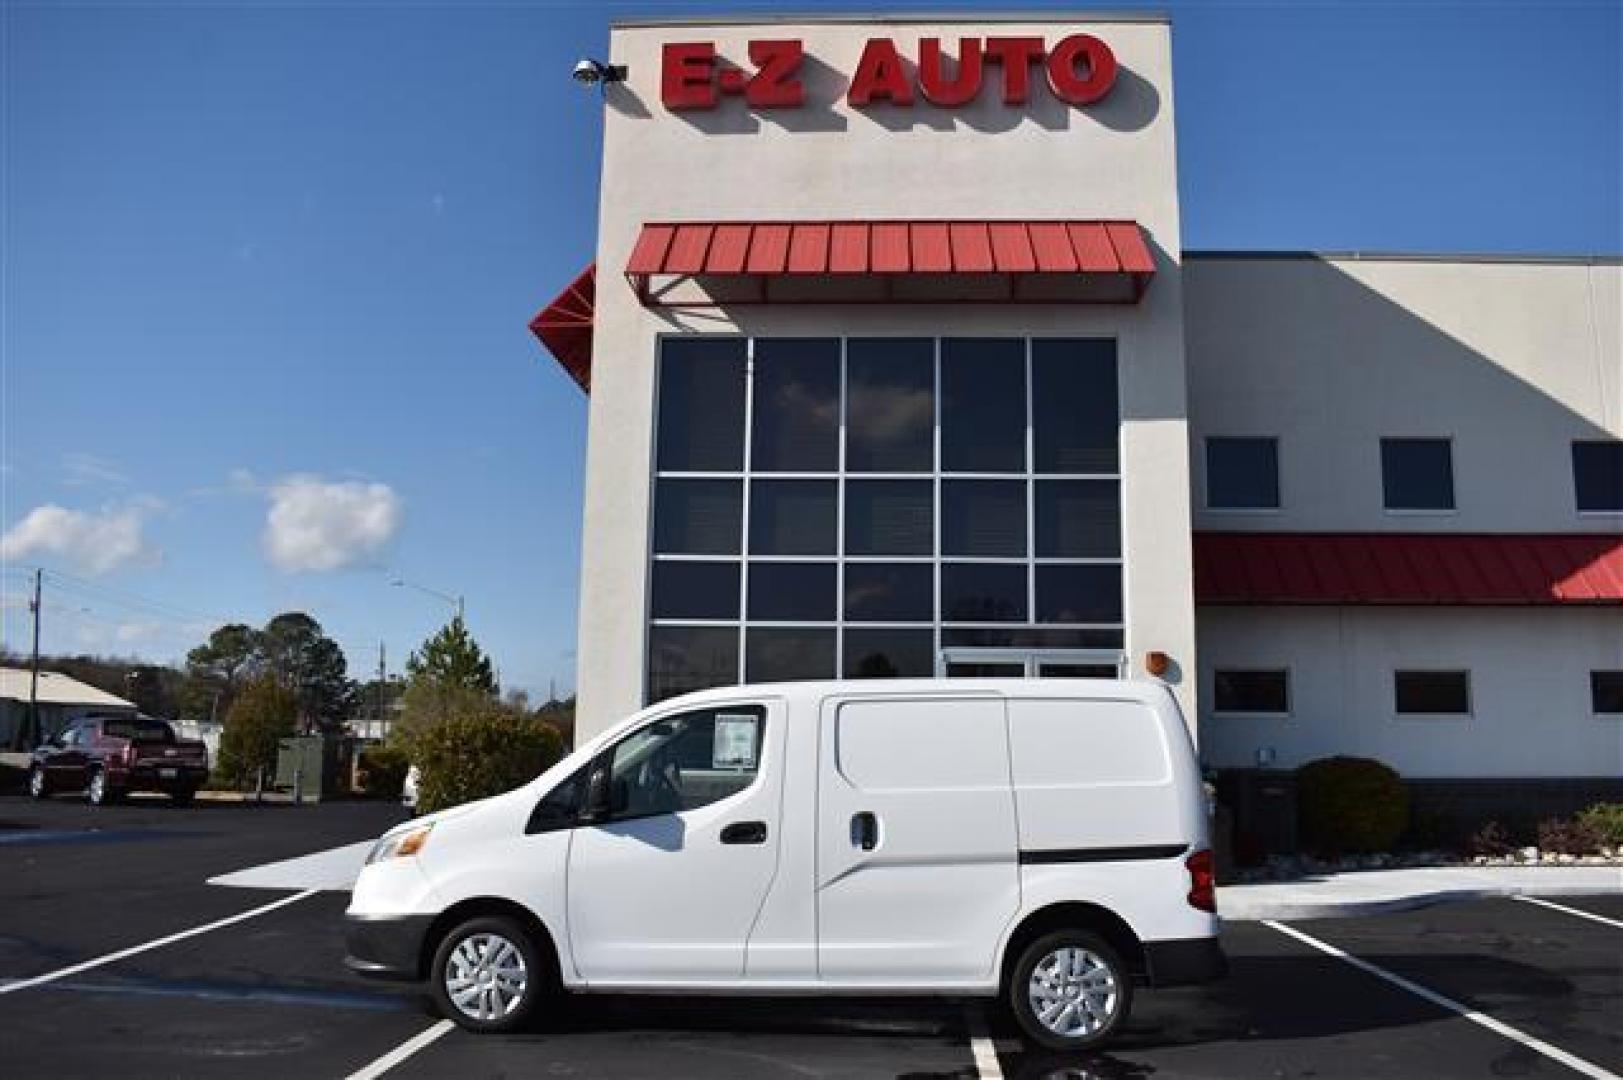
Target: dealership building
{"points": [[897, 365]]}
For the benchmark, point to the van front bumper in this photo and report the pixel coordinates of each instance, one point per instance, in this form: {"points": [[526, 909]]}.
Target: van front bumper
{"points": [[385, 946], [1184, 961]]}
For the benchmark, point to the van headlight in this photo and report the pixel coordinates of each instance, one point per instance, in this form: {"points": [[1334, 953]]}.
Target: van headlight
{"points": [[399, 845]]}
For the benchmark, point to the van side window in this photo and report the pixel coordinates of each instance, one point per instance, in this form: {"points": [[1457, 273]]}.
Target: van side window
{"points": [[560, 807], [685, 761]]}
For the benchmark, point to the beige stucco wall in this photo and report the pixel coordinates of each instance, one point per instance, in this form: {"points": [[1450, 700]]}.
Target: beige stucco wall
{"points": [[1512, 359], [827, 161]]}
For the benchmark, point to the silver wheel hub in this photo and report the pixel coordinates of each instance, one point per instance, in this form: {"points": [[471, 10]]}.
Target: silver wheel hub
{"points": [[486, 977], [1073, 992]]}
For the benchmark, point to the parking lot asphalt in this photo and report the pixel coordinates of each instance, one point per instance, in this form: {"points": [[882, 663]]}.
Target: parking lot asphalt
{"points": [[268, 996]]}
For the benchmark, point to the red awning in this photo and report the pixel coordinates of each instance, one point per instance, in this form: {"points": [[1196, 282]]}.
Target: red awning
{"points": [[1408, 568], [704, 264], [565, 326]]}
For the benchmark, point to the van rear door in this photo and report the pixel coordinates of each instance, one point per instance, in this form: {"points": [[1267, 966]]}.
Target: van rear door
{"points": [[916, 848]]}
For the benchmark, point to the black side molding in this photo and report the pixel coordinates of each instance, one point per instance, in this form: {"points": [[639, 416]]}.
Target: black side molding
{"points": [[1102, 854]]}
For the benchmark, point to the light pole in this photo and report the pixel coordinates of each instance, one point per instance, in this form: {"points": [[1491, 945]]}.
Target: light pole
{"points": [[454, 601]]}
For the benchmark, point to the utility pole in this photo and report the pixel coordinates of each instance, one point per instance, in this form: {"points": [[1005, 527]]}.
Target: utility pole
{"points": [[33, 679], [383, 682]]}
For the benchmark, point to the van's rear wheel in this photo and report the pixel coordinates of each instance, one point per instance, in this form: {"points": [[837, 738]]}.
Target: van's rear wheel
{"points": [[488, 975], [1070, 991]]}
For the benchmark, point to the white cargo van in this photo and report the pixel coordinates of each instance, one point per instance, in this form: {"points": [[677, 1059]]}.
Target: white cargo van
{"points": [[1042, 840]]}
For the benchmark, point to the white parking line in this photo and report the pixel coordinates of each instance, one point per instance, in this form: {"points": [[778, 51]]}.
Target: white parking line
{"points": [[100, 961], [402, 1052], [1554, 1053], [982, 1047], [1570, 911]]}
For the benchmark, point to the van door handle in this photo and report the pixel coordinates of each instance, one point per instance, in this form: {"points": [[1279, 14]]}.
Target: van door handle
{"points": [[864, 830], [744, 832]]}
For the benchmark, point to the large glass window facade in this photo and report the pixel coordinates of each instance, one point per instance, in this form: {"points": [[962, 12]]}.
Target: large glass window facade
{"points": [[828, 507]]}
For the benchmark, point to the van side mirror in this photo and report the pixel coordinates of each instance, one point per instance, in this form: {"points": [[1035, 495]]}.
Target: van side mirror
{"points": [[595, 807]]}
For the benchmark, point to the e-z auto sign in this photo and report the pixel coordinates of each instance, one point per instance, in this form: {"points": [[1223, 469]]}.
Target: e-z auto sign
{"points": [[1079, 69]]}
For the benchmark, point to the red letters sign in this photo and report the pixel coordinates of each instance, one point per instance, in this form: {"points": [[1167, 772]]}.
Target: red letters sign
{"points": [[1079, 69]]}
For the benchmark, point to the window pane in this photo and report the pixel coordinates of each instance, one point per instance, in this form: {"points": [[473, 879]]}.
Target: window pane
{"points": [[698, 517], [890, 407], [889, 654], [774, 655], [1251, 692], [889, 517], [1078, 519], [1446, 692], [701, 404], [1074, 412], [686, 761], [1606, 691], [685, 658], [1080, 594], [889, 592], [792, 517], [1242, 474], [1417, 474], [1030, 637], [789, 592], [796, 419], [983, 405], [983, 592], [695, 590], [985, 518], [1597, 475]]}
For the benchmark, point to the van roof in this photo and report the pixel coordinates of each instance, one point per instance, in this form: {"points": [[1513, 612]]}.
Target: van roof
{"points": [[1136, 689]]}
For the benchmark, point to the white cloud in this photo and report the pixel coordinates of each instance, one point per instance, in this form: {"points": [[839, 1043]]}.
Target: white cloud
{"points": [[319, 524], [96, 542], [81, 469]]}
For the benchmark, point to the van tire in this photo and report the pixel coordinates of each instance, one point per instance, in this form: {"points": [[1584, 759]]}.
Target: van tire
{"points": [[1102, 973], [471, 942]]}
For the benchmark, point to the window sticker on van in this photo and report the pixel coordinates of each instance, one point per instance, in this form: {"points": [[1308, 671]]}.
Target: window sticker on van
{"points": [[737, 735]]}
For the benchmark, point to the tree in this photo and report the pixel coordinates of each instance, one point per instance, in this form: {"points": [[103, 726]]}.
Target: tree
{"points": [[227, 657], [451, 658], [264, 713], [300, 656]]}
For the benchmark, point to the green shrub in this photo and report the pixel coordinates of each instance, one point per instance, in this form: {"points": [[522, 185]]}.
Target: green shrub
{"points": [[1348, 805], [1563, 837], [1606, 821], [479, 754], [1492, 840], [264, 714], [383, 771]]}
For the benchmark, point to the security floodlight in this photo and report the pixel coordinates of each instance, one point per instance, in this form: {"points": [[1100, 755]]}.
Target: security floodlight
{"points": [[591, 72]]}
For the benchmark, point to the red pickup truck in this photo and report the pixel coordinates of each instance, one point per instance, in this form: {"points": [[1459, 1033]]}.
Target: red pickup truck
{"points": [[108, 756]]}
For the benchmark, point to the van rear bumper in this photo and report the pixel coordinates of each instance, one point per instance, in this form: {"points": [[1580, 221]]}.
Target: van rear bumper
{"points": [[385, 946], [1184, 961]]}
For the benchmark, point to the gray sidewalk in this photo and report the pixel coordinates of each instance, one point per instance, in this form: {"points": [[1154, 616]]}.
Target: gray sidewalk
{"points": [[1371, 892]]}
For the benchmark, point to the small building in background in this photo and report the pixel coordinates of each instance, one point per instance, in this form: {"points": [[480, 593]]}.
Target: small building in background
{"points": [[61, 701]]}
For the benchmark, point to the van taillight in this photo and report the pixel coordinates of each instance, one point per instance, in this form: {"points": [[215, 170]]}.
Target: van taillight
{"points": [[1202, 881]]}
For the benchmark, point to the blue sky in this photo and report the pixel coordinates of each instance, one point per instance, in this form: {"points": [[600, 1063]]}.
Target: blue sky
{"points": [[267, 269]]}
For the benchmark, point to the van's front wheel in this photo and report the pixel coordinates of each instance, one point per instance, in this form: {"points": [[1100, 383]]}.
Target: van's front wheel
{"points": [[1070, 991], [488, 975]]}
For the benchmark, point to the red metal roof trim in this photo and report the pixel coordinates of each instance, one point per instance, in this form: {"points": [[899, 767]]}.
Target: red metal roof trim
{"points": [[1109, 253], [565, 326], [1408, 568]]}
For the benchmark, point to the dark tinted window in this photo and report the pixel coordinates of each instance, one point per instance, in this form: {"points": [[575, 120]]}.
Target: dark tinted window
{"points": [[793, 517], [889, 592], [890, 411], [983, 405], [1242, 473], [1074, 410], [1417, 474], [1030, 637], [695, 590], [1597, 475], [686, 658], [1078, 519], [139, 729], [1251, 692], [1080, 594], [889, 654], [985, 518], [1606, 691], [698, 517], [795, 424], [701, 405], [1436, 692], [983, 592], [889, 517], [784, 655], [558, 808], [785, 592]]}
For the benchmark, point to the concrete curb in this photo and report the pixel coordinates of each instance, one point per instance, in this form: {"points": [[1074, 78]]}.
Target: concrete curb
{"points": [[1243, 907], [270, 798]]}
